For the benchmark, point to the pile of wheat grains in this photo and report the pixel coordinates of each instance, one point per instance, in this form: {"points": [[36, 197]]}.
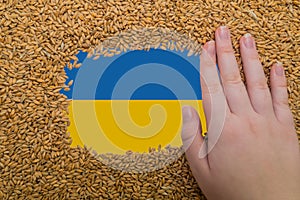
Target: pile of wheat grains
{"points": [[38, 38]]}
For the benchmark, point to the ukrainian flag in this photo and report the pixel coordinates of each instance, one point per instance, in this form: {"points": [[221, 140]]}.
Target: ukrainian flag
{"points": [[132, 101]]}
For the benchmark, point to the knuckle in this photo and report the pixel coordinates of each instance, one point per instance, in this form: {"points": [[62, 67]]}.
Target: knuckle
{"points": [[284, 103], [281, 85], [214, 88], [226, 49], [253, 55], [260, 85], [207, 62], [232, 79], [210, 86]]}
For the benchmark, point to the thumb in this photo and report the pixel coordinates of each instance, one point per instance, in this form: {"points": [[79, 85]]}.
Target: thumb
{"points": [[192, 139]]}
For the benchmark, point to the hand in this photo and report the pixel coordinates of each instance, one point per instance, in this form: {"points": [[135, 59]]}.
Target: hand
{"points": [[257, 154]]}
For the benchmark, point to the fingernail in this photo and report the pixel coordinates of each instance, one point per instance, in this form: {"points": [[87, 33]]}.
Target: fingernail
{"points": [[187, 114], [279, 69], [224, 33], [249, 43]]}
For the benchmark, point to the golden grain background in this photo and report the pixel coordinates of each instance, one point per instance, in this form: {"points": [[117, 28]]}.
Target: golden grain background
{"points": [[38, 38]]}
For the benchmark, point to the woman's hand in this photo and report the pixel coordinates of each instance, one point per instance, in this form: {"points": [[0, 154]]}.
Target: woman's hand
{"points": [[256, 155]]}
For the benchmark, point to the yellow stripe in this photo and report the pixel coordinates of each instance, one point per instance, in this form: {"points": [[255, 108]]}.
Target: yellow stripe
{"points": [[116, 126]]}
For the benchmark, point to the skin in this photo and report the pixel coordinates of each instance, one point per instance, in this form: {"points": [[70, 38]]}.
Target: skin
{"points": [[257, 155]]}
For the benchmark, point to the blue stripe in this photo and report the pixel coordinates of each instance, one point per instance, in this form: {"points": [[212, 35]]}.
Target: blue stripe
{"points": [[132, 59], [157, 75]]}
